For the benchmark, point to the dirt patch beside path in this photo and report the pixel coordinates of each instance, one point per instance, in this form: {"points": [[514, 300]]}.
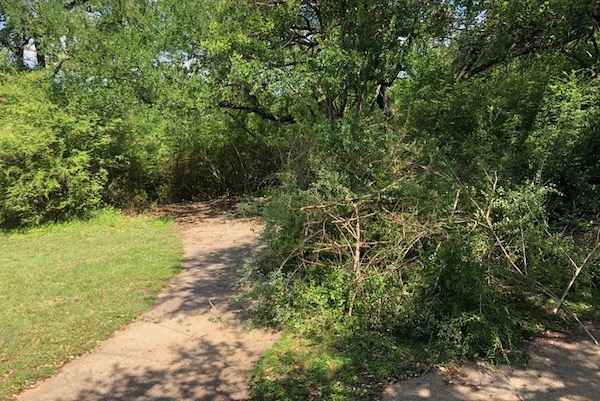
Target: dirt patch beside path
{"points": [[193, 344], [562, 368]]}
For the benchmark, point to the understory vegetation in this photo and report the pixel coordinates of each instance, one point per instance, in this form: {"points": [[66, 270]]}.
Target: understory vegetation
{"points": [[431, 168]]}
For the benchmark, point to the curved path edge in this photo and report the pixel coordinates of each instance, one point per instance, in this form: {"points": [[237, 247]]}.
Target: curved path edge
{"points": [[193, 344], [562, 367]]}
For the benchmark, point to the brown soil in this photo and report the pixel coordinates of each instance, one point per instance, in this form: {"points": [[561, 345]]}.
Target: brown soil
{"points": [[563, 367], [193, 344]]}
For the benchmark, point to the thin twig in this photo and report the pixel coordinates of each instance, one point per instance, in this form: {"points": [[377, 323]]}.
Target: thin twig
{"points": [[578, 270], [524, 250], [581, 324], [456, 202], [540, 286], [337, 203]]}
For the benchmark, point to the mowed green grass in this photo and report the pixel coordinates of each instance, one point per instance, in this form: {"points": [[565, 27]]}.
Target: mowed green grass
{"points": [[65, 287]]}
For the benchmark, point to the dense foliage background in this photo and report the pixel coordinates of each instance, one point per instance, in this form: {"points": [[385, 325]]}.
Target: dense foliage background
{"points": [[432, 167]]}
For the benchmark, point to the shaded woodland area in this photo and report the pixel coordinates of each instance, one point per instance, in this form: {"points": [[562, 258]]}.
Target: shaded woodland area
{"points": [[431, 168]]}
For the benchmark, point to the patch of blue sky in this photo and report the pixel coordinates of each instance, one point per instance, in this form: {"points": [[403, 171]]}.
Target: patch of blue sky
{"points": [[30, 55]]}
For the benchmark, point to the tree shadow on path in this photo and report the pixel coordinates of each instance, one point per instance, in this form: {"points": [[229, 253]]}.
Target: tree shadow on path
{"points": [[192, 345], [560, 369], [200, 371]]}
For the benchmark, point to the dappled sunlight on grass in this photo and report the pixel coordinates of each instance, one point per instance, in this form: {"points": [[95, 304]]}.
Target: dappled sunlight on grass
{"points": [[343, 365]]}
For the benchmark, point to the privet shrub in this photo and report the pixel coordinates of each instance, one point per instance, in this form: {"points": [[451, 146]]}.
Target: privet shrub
{"points": [[458, 277], [48, 164]]}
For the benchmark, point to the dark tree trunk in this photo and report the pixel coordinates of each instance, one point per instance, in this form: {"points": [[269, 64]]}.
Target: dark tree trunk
{"points": [[20, 57], [40, 55]]}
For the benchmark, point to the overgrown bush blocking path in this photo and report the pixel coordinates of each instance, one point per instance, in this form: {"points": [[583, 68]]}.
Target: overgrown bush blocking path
{"points": [[191, 345]]}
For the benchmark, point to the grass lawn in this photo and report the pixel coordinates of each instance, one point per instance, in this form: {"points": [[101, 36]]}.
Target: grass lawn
{"points": [[65, 287], [322, 360]]}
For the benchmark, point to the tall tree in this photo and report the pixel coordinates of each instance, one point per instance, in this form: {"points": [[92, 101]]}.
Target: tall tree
{"points": [[496, 31], [332, 57], [44, 28]]}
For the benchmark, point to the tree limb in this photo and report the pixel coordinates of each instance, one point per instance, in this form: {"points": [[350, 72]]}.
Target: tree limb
{"points": [[267, 115]]}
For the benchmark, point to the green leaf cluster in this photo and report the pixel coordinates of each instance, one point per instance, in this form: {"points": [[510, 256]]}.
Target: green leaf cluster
{"points": [[50, 160]]}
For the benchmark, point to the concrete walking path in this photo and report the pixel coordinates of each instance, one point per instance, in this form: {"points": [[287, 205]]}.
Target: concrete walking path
{"points": [[192, 345]]}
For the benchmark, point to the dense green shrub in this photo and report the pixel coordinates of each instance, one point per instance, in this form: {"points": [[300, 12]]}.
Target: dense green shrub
{"points": [[458, 273], [436, 226], [208, 155], [64, 153], [566, 143], [49, 165]]}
